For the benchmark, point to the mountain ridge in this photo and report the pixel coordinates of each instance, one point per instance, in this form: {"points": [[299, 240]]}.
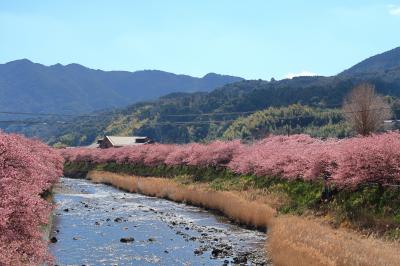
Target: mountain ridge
{"points": [[380, 62], [23, 61], [76, 89]]}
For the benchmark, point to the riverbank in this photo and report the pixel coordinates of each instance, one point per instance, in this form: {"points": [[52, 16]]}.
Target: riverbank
{"points": [[47, 228], [371, 209], [309, 241]]}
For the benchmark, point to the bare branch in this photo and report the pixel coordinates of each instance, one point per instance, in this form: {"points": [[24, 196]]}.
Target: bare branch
{"points": [[365, 110]]}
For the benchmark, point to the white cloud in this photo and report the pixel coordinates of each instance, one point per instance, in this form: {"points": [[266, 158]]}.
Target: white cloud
{"points": [[394, 10], [301, 74]]}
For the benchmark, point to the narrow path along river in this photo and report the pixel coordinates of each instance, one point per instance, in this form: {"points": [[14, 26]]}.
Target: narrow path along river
{"points": [[96, 224]]}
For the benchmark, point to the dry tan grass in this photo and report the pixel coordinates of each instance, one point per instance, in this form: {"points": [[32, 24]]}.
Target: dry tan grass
{"points": [[311, 243], [292, 240], [250, 213]]}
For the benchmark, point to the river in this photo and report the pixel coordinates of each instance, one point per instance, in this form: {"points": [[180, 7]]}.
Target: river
{"points": [[96, 224]]}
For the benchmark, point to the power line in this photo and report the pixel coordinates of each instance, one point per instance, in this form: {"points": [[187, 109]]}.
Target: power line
{"points": [[21, 122], [51, 114], [293, 117], [210, 114], [244, 112], [113, 115], [35, 122], [169, 115], [261, 110], [148, 123], [164, 115], [193, 122], [175, 122]]}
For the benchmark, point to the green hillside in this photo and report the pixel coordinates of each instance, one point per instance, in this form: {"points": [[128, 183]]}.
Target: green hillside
{"points": [[294, 119]]}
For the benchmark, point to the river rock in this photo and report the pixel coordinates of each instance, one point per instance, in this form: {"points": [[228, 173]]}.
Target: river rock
{"points": [[240, 259], [218, 253], [118, 220], [53, 239], [198, 252], [126, 239]]}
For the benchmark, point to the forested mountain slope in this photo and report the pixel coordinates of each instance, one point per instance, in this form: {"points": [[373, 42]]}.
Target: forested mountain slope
{"points": [[378, 63], [74, 89]]}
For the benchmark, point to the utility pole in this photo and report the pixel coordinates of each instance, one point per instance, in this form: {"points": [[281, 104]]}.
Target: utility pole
{"points": [[288, 126]]}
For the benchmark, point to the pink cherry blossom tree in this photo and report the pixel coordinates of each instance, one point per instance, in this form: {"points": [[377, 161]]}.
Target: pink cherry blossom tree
{"points": [[27, 169], [346, 163]]}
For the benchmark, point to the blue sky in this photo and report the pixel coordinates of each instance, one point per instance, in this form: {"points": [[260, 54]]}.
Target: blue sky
{"points": [[252, 39]]}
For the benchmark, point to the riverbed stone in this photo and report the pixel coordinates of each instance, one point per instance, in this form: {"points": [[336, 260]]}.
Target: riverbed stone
{"points": [[126, 239], [118, 220], [240, 259], [198, 252]]}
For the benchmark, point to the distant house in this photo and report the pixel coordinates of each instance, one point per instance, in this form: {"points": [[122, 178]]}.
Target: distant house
{"points": [[391, 124], [116, 141]]}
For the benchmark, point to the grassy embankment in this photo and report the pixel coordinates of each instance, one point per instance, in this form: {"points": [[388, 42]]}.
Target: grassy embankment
{"points": [[320, 236]]}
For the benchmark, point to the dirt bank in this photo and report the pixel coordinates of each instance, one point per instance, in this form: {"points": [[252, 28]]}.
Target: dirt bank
{"points": [[292, 240]]}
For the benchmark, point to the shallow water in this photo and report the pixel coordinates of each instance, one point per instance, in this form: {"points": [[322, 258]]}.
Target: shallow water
{"points": [[91, 219]]}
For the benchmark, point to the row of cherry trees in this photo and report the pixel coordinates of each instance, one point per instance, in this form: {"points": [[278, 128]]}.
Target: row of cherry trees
{"points": [[27, 169], [347, 163]]}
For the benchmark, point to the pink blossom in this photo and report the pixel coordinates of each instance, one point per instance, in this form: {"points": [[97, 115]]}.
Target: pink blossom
{"points": [[372, 159], [346, 163]]}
